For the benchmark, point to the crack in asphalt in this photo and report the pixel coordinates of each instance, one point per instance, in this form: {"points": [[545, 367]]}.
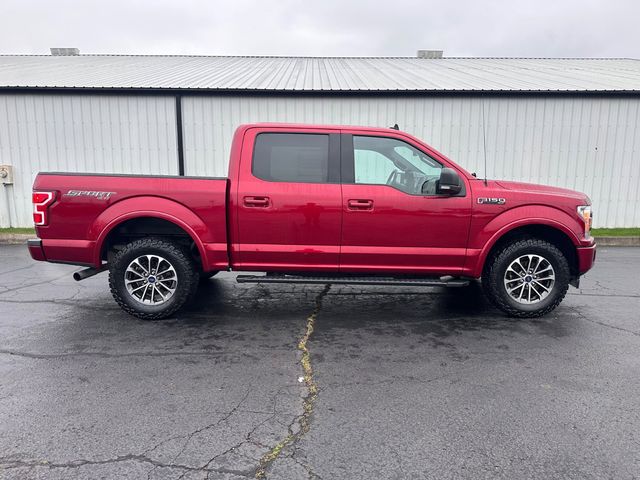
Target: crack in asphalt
{"points": [[310, 473], [615, 295], [600, 286], [389, 381], [12, 464], [65, 302], [304, 420], [606, 325], [19, 269], [50, 356], [247, 440], [51, 280], [145, 457], [185, 469], [398, 458], [195, 432]]}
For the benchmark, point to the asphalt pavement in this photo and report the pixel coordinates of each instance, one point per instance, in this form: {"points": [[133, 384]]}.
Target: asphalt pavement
{"points": [[399, 383]]}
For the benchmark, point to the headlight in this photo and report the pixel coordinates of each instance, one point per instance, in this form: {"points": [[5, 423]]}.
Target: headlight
{"points": [[584, 212]]}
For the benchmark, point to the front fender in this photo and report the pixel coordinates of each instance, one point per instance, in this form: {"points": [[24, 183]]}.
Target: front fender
{"points": [[147, 206], [484, 240]]}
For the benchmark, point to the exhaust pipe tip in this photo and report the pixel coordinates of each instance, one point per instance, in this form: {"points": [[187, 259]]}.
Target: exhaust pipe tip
{"points": [[88, 272]]}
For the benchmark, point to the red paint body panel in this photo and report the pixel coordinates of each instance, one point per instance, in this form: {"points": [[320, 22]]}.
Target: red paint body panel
{"points": [[246, 223], [551, 207], [79, 224], [586, 258], [297, 229], [402, 233]]}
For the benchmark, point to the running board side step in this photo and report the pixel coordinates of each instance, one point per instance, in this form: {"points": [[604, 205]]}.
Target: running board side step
{"points": [[446, 281]]}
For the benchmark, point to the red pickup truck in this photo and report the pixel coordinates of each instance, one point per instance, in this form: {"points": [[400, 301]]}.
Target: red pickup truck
{"points": [[317, 204]]}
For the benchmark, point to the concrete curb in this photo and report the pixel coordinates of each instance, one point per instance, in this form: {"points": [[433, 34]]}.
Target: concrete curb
{"points": [[15, 238], [618, 241], [18, 238]]}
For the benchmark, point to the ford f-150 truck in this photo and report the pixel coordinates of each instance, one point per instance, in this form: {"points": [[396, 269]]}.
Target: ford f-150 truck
{"points": [[317, 204]]}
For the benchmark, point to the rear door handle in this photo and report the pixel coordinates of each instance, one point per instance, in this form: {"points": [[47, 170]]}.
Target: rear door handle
{"points": [[360, 204], [256, 201]]}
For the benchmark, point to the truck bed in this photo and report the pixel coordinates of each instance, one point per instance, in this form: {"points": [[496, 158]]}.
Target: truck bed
{"points": [[87, 205]]}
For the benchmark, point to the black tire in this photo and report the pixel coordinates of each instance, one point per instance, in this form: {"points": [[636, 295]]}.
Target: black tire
{"points": [[178, 257], [493, 279]]}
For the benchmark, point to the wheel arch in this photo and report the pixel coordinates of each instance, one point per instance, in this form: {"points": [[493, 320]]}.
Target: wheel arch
{"points": [[553, 232], [121, 221]]}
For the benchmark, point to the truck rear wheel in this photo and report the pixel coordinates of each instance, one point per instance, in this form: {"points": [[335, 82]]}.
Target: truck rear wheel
{"points": [[527, 278], [152, 278]]}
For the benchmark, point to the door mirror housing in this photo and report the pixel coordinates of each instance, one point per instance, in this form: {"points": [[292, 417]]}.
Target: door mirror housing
{"points": [[450, 182]]}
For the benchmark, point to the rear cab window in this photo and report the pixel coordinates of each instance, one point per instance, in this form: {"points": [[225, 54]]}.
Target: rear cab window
{"points": [[292, 157]]}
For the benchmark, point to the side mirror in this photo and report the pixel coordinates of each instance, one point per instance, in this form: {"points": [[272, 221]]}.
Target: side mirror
{"points": [[450, 182]]}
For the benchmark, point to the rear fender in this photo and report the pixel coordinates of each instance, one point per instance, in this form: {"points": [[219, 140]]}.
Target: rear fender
{"points": [[154, 207], [512, 219]]}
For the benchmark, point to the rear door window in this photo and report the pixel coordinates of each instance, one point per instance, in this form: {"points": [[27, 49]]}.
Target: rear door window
{"points": [[291, 157]]}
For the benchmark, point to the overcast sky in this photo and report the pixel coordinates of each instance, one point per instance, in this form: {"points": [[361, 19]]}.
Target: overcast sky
{"points": [[567, 28]]}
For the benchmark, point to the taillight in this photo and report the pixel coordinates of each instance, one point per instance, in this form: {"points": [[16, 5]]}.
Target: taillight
{"points": [[41, 203]]}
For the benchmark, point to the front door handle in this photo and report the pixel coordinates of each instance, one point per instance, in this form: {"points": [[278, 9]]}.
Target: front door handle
{"points": [[360, 204], [256, 201]]}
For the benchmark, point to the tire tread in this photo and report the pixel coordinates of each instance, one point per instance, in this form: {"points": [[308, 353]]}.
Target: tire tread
{"points": [[491, 280], [184, 294]]}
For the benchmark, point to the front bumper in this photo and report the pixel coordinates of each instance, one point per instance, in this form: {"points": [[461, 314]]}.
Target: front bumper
{"points": [[35, 249], [586, 258]]}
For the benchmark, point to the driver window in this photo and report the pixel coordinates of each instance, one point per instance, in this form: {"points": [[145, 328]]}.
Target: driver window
{"points": [[387, 161]]}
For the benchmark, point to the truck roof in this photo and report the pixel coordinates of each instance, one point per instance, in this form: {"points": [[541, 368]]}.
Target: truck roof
{"points": [[386, 131], [319, 126]]}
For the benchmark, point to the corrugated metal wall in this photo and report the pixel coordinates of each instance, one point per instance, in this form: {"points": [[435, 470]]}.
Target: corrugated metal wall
{"points": [[107, 134], [584, 143]]}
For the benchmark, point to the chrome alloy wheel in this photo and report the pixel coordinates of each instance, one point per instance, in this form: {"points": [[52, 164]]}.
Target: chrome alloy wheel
{"points": [[151, 279], [529, 279]]}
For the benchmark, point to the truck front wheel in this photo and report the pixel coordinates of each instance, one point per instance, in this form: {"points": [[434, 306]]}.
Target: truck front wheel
{"points": [[527, 278], [152, 278]]}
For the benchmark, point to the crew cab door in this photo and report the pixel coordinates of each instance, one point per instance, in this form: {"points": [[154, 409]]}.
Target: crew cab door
{"points": [[287, 205], [394, 221]]}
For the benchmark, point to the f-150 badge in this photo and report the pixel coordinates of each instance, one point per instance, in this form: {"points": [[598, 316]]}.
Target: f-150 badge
{"points": [[491, 201], [84, 193]]}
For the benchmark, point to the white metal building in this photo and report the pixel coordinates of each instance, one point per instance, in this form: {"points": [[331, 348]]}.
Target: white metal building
{"points": [[567, 122]]}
